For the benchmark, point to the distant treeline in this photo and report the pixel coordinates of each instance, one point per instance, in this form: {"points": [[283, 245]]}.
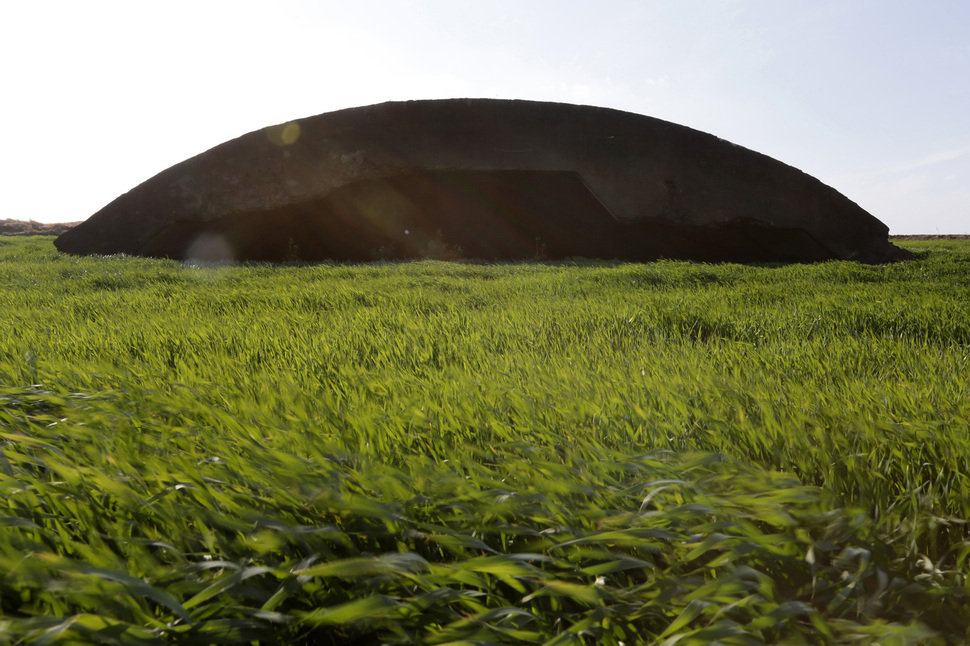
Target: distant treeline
{"points": [[30, 228], [933, 236]]}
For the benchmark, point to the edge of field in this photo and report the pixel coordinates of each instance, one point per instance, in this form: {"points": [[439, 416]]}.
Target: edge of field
{"points": [[10, 227]]}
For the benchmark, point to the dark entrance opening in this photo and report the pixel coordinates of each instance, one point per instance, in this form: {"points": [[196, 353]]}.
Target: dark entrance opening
{"points": [[488, 215]]}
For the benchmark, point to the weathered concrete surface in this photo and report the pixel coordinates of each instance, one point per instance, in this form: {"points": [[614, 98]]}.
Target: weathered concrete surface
{"points": [[489, 179]]}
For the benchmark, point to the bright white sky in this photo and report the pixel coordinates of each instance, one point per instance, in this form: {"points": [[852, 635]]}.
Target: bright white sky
{"points": [[870, 96]]}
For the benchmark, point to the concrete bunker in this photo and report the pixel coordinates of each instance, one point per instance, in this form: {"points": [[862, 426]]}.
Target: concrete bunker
{"points": [[483, 179]]}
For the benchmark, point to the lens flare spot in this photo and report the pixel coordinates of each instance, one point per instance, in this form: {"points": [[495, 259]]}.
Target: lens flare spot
{"points": [[285, 134], [210, 247]]}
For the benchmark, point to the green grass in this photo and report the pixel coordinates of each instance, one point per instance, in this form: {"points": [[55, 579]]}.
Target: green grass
{"points": [[436, 453]]}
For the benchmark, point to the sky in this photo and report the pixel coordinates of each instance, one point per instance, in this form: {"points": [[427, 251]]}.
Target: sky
{"points": [[872, 97]]}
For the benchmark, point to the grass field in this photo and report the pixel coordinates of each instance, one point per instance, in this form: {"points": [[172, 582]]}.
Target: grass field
{"points": [[444, 453]]}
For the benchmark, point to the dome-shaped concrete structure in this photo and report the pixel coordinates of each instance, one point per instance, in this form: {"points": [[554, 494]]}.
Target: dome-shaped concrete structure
{"points": [[490, 179]]}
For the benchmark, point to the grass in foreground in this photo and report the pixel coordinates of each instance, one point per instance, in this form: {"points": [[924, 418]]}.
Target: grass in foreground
{"points": [[445, 453]]}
